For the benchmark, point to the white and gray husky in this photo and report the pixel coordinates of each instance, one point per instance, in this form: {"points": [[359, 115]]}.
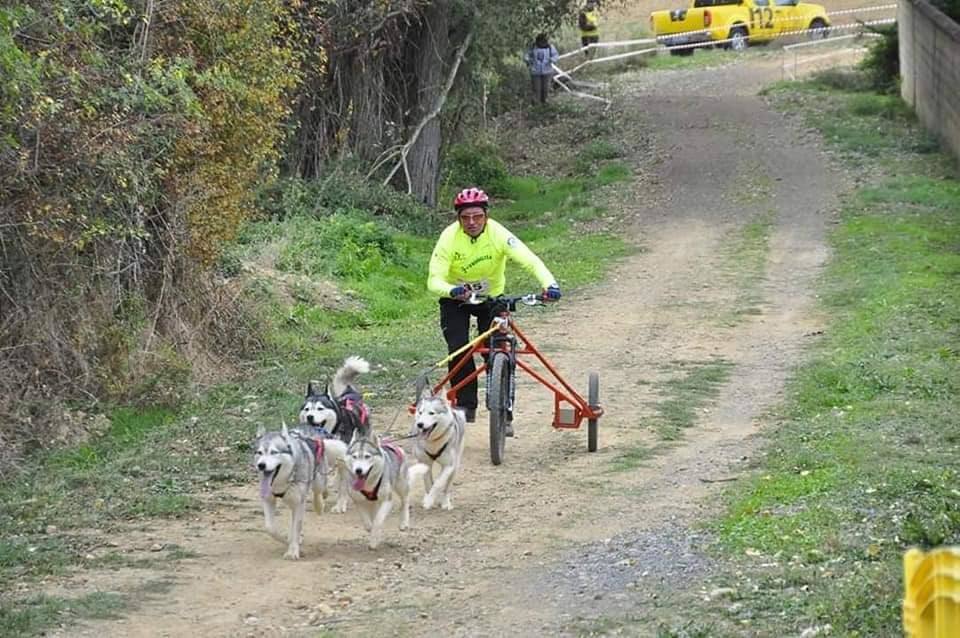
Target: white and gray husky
{"points": [[379, 470], [440, 431], [338, 411], [292, 465]]}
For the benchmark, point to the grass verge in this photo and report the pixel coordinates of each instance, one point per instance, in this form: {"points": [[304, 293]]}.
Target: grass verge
{"points": [[865, 461]]}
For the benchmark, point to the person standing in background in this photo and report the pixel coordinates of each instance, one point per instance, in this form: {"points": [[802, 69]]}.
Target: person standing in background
{"points": [[589, 23], [540, 59]]}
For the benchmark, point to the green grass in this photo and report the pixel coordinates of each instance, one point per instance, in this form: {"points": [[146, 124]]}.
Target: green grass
{"points": [[33, 616], [630, 458], [692, 385], [745, 266], [702, 58], [863, 126], [865, 461]]}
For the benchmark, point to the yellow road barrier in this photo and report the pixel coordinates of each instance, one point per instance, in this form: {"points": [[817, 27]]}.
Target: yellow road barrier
{"points": [[931, 601]]}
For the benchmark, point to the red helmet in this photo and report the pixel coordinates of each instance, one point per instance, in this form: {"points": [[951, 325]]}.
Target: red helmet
{"points": [[471, 197]]}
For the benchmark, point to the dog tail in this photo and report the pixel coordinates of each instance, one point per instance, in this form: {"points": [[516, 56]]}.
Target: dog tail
{"points": [[347, 375]]}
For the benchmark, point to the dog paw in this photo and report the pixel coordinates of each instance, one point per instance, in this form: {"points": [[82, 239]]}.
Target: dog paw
{"points": [[447, 505], [339, 508], [292, 553], [374, 543], [428, 501]]}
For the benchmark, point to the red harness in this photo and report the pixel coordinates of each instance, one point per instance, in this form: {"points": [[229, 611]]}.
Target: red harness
{"points": [[396, 450]]}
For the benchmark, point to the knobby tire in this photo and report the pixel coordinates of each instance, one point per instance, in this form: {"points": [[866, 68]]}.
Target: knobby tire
{"points": [[498, 395]]}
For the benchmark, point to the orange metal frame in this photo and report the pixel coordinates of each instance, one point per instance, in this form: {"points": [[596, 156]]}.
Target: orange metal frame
{"points": [[564, 395]]}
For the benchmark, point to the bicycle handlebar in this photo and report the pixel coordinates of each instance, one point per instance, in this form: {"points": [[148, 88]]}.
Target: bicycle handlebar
{"points": [[511, 301]]}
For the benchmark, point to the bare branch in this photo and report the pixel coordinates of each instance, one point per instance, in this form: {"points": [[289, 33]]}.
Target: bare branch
{"points": [[432, 114]]}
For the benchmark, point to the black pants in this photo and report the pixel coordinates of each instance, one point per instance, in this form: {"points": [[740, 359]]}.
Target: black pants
{"points": [[455, 324], [589, 39]]}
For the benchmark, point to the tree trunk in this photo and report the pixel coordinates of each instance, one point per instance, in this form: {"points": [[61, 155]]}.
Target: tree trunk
{"points": [[430, 55]]}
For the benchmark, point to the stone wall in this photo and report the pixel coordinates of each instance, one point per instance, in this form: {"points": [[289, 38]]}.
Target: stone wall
{"points": [[930, 68]]}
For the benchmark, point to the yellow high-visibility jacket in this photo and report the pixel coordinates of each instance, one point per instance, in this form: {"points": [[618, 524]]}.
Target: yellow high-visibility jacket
{"points": [[481, 262], [589, 22]]}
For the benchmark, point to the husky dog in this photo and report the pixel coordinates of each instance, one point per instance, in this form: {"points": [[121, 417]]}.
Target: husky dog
{"points": [[292, 464], [380, 469], [340, 411], [440, 433]]}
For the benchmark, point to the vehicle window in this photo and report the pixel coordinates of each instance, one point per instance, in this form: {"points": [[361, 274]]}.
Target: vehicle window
{"points": [[785, 3], [714, 3], [761, 3]]}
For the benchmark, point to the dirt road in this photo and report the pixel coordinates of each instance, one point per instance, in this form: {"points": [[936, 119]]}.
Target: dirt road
{"points": [[556, 540]]}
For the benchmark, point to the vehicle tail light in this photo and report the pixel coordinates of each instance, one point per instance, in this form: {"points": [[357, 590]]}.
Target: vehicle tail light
{"points": [[707, 18]]}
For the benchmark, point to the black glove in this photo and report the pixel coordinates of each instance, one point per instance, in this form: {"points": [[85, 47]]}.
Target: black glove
{"points": [[552, 293]]}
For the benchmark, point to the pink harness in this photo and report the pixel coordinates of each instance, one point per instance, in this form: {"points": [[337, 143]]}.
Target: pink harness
{"points": [[349, 403]]}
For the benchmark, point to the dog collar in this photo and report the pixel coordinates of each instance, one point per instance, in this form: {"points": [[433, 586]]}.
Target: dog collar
{"points": [[372, 494], [272, 478]]}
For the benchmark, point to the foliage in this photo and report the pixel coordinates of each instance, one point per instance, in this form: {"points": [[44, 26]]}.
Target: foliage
{"points": [[950, 7], [130, 141], [882, 63], [366, 97], [475, 164], [343, 190]]}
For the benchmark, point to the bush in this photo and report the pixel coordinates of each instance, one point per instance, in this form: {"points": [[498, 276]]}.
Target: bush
{"points": [[347, 244], [882, 63], [342, 191], [475, 164], [843, 79]]}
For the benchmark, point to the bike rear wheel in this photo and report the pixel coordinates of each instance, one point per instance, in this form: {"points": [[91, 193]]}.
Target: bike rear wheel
{"points": [[498, 398]]}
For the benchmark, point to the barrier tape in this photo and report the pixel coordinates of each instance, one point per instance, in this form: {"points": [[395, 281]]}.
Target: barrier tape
{"points": [[790, 47], [563, 74], [879, 7], [607, 45]]}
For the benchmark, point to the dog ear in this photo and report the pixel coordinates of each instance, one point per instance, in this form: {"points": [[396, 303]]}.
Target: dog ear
{"points": [[285, 432], [353, 437], [326, 390], [309, 389], [261, 430]]}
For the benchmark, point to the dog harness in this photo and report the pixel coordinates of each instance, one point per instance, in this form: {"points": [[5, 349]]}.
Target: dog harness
{"points": [[434, 457], [397, 451], [352, 400], [316, 446]]}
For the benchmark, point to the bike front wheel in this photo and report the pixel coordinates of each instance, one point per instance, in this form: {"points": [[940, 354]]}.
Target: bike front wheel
{"points": [[498, 398]]}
